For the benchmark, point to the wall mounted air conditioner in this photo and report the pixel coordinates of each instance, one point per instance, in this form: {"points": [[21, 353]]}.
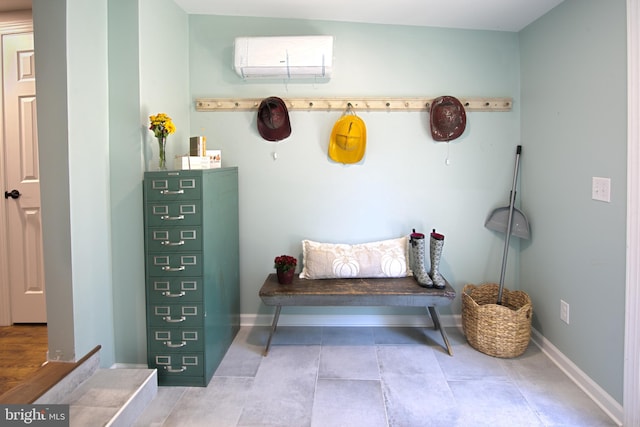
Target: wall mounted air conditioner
{"points": [[302, 57]]}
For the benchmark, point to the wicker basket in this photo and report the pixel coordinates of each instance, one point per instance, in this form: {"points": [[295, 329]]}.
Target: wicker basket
{"points": [[497, 330]]}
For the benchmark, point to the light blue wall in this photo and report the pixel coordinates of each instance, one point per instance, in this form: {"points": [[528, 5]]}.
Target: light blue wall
{"points": [[147, 74], [50, 35], [163, 86], [403, 182], [573, 128], [89, 176], [164, 75], [126, 131], [76, 179], [93, 155]]}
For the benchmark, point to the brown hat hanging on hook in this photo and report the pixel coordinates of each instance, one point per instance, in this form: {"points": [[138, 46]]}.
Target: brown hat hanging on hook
{"points": [[273, 119], [447, 118]]}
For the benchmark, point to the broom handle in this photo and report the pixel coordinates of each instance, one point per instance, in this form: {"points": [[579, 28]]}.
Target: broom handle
{"points": [[512, 202]]}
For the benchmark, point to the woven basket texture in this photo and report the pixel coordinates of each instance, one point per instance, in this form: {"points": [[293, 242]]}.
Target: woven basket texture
{"points": [[497, 330]]}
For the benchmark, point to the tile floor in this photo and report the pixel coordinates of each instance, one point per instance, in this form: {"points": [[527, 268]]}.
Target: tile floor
{"points": [[329, 376]]}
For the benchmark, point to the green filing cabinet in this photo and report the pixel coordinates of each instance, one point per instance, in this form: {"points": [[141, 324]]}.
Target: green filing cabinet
{"points": [[192, 271]]}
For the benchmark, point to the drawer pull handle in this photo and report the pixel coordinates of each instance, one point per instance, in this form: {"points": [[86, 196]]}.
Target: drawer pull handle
{"points": [[175, 371], [172, 218], [167, 268], [169, 192], [168, 243], [170, 320], [170, 295], [172, 345]]}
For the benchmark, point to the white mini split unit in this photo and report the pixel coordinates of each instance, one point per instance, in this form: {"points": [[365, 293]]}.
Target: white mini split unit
{"points": [[302, 57]]}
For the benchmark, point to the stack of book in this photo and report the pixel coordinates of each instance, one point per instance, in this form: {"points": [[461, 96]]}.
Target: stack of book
{"points": [[199, 157]]}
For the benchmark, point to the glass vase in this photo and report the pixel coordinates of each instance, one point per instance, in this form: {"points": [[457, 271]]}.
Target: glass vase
{"points": [[162, 153]]}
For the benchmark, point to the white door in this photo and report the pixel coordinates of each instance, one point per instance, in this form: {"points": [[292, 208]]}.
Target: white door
{"points": [[22, 181]]}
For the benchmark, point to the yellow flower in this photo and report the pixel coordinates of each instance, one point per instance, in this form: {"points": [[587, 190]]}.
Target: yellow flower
{"points": [[161, 125]]}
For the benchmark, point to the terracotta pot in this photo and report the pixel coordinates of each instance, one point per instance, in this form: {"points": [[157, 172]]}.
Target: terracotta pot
{"points": [[285, 277]]}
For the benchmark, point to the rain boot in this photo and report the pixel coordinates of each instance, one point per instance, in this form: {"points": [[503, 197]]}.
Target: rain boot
{"points": [[436, 244], [416, 259]]}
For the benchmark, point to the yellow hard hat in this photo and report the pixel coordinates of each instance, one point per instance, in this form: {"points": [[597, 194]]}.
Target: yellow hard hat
{"points": [[348, 139]]}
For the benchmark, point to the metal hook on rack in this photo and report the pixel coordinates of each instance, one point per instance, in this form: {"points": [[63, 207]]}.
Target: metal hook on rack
{"points": [[350, 109]]}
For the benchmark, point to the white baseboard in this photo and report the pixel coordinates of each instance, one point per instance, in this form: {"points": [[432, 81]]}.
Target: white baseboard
{"points": [[608, 404]]}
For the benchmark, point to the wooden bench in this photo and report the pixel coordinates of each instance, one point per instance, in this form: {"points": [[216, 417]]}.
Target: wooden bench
{"points": [[398, 292]]}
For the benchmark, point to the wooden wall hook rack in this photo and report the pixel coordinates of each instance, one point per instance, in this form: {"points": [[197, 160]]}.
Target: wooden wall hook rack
{"points": [[359, 104]]}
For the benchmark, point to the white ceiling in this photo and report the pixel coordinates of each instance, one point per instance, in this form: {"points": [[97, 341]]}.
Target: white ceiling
{"points": [[501, 15]]}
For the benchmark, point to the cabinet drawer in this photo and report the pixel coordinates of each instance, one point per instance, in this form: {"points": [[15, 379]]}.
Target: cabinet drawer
{"points": [[182, 315], [174, 239], [164, 340], [173, 214], [190, 364], [173, 187], [175, 264], [174, 290]]}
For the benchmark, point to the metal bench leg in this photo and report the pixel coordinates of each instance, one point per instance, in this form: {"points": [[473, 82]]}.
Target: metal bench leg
{"points": [[274, 325], [433, 311]]}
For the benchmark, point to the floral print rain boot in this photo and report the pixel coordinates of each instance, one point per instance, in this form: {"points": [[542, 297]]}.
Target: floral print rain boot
{"points": [[417, 258], [436, 244]]}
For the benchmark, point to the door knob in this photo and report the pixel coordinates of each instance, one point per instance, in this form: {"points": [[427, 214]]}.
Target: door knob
{"points": [[14, 194]]}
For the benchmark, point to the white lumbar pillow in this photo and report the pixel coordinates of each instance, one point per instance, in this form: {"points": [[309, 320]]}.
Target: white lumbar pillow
{"points": [[386, 258]]}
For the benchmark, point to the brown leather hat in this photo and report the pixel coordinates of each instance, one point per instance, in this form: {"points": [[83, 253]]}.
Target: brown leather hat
{"points": [[448, 118], [273, 119]]}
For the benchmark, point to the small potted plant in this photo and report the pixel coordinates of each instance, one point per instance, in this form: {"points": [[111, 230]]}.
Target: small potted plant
{"points": [[285, 266]]}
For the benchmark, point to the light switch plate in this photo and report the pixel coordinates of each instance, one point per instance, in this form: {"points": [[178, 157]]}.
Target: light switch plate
{"points": [[601, 189]]}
